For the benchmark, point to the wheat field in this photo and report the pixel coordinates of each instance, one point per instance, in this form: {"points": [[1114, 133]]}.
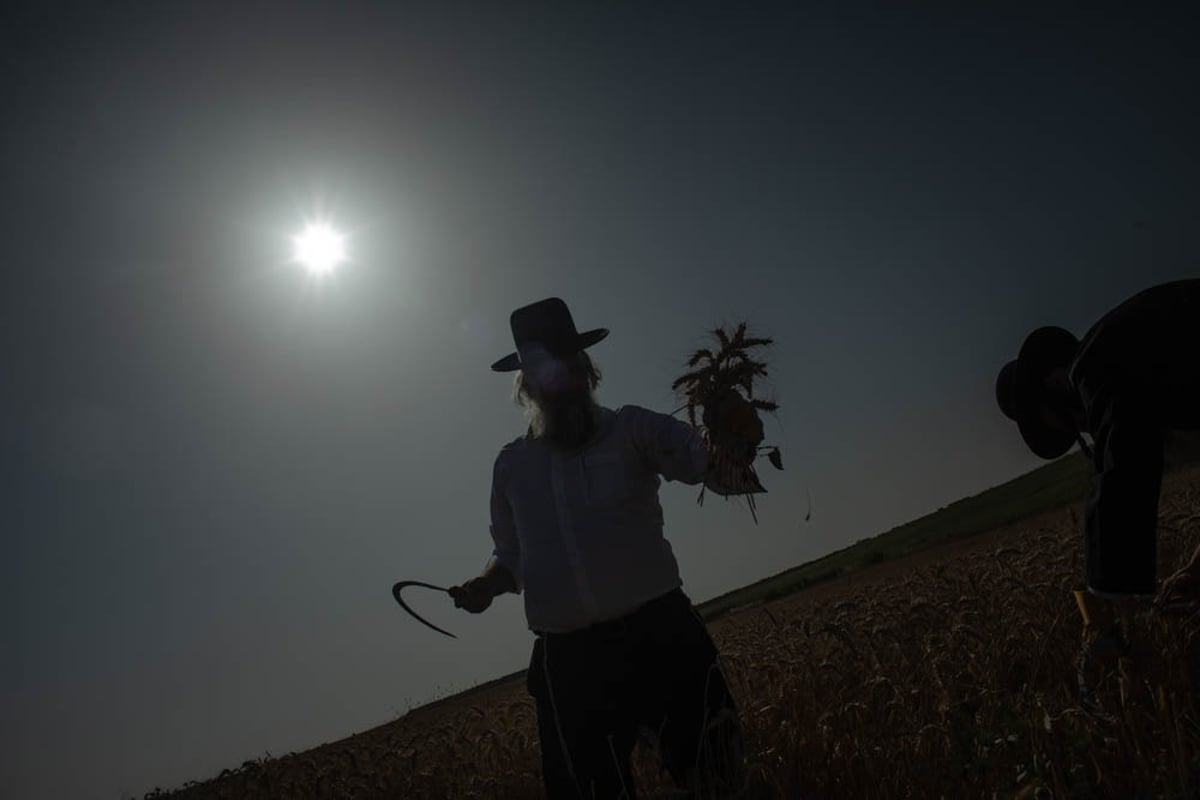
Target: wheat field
{"points": [[951, 673]]}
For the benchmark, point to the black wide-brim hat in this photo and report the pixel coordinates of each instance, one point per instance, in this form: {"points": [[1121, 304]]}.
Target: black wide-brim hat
{"points": [[1021, 389], [545, 327]]}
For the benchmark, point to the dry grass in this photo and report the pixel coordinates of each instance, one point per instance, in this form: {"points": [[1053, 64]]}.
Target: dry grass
{"points": [[711, 375], [951, 676]]}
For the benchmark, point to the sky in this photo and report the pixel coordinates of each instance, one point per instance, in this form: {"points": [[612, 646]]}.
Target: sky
{"points": [[214, 466]]}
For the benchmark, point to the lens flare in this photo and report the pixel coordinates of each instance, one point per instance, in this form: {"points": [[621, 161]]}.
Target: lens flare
{"points": [[319, 249]]}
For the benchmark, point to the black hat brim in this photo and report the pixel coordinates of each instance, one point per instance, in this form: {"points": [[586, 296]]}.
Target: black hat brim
{"points": [[1007, 389], [1021, 395], [1046, 442], [512, 361]]}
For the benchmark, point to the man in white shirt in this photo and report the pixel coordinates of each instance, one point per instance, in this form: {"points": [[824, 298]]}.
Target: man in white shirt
{"points": [[577, 527]]}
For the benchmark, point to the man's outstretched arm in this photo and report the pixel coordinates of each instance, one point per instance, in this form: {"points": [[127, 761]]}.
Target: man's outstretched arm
{"points": [[678, 452], [502, 570]]}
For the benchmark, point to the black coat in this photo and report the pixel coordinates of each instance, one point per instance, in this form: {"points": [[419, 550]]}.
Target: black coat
{"points": [[1137, 374]]}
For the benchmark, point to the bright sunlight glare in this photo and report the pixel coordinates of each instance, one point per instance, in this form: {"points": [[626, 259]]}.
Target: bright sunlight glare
{"points": [[319, 248]]}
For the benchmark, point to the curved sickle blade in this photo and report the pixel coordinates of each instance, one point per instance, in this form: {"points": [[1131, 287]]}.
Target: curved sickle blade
{"points": [[396, 594]]}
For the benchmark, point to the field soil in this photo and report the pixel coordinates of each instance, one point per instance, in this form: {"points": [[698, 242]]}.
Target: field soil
{"points": [[948, 673]]}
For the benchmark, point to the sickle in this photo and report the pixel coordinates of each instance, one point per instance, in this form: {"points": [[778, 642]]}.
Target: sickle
{"points": [[396, 594]]}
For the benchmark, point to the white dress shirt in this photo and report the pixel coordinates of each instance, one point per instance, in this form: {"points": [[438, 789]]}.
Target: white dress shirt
{"points": [[582, 530]]}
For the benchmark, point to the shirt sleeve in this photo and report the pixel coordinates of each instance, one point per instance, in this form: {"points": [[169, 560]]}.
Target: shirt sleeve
{"points": [[668, 446], [507, 551]]}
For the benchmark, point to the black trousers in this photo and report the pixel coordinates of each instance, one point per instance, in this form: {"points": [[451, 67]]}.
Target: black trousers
{"points": [[1122, 510], [654, 671]]}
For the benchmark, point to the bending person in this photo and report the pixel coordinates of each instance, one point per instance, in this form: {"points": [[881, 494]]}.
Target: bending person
{"points": [[1133, 385]]}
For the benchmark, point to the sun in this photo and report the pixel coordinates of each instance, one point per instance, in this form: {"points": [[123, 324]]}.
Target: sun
{"points": [[319, 248]]}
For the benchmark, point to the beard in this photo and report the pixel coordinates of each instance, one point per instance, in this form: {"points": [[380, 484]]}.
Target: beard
{"points": [[565, 420]]}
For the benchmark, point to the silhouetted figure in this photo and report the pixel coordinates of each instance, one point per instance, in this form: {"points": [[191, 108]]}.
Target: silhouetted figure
{"points": [[1131, 381], [577, 526]]}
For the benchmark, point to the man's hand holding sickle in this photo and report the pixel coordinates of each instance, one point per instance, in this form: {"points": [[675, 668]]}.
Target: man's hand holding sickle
{"points": [[474, 596]]}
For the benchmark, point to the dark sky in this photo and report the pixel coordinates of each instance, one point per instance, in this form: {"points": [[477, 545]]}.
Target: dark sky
{"points": [[214, 467]]}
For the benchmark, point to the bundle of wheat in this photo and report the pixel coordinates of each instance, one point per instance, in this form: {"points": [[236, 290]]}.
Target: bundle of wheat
{"points": [[710, 378]]}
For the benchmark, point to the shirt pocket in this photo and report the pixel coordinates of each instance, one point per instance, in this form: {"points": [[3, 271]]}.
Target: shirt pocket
{"points": [[607, 478]]}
